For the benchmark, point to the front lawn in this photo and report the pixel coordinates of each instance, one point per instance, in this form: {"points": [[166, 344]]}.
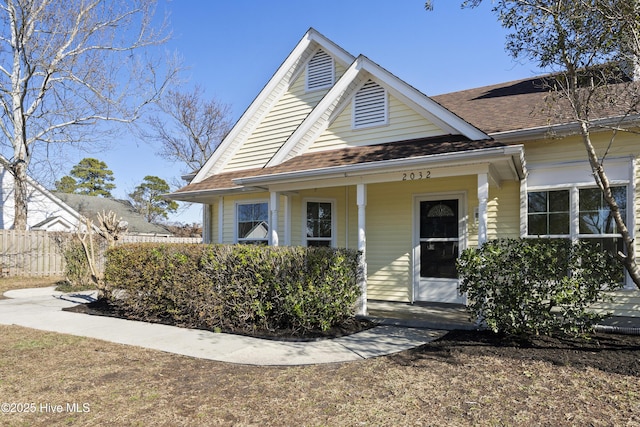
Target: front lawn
{"points": [[459, 380]]}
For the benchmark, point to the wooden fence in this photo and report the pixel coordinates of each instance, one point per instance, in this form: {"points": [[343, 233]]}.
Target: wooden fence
{"points": [[39, 253]]}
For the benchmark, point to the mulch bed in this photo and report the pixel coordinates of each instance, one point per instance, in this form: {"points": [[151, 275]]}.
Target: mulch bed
{"points": [[102, 307], [614, 353]]}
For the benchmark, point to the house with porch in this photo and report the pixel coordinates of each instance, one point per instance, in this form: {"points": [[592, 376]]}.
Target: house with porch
{"points": [[337, 151]]}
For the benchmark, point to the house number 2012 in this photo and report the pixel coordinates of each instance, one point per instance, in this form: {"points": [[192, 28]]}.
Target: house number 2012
{"points": [[411, 176]]}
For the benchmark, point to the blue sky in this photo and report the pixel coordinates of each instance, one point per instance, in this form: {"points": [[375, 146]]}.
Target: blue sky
{"points": [[232, 48]]}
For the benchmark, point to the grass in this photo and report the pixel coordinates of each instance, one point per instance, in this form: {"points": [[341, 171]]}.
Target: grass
{"points": [[130, 386], [101, 383]]}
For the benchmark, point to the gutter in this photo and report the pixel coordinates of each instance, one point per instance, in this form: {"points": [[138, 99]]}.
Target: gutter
{"points": [[562, 130], [191, 196], [437, 160]]}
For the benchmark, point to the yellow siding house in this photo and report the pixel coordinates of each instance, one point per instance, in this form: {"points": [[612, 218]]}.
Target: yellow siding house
{"points": [[337, 151]]}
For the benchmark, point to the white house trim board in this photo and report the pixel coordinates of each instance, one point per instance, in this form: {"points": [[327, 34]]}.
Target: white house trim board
{"points": [[274, 207], [268, 96], [441, 165], [361, 201], [483, 198]]}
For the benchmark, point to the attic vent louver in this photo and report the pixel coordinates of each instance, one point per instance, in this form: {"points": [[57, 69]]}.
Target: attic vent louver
{"points": [[370, 106], [320, 71]]}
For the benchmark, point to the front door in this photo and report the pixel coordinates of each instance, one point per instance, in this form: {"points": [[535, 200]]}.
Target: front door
{"points": [[440, 231]]}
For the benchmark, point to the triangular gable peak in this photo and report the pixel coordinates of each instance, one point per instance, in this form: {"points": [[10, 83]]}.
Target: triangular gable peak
{"points": [[42, 203], [291, 69], [366, 77]]}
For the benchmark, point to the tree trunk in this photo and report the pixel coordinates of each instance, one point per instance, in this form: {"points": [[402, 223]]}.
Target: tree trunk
{"points": [[628, 259], [20, 196]]}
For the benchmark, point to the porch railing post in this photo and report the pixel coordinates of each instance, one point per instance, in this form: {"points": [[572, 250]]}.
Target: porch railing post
{"points": [[361, 199], [273, 218], [483, 199]]}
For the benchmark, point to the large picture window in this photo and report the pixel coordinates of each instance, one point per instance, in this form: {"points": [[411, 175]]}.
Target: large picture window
{"points": [[253, 223], [319, 223]]}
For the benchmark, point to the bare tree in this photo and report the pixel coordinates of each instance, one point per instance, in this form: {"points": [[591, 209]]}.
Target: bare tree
{"points": [[66, 66], [592, 48], [188, 127], [111, 229]]}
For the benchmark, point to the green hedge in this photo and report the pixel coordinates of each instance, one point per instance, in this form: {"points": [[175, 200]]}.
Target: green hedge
{"points": [[240, 288], [524, 286]]}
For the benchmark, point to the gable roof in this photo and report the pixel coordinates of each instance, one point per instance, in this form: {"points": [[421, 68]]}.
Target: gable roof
{"points": [[288, 72], [54, 204], [90, 206], [291, 156], [341, 94]]}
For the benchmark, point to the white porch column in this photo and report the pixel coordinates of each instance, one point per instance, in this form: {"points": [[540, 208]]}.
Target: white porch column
{"points": [[274, 207], [221, 220], [483, 198], [207, 232], [361, 200]]}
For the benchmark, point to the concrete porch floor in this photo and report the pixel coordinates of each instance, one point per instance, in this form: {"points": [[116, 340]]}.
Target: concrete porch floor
{"points": [[420, 315], [455, 316]]}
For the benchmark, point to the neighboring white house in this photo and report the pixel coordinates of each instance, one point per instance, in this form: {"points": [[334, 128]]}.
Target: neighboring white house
{"points": [[51, 211], [45, 210]]}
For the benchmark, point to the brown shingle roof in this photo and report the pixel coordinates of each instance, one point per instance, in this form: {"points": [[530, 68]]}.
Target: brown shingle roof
{"points": [[502, 107], [524, 104], [348, 156]]}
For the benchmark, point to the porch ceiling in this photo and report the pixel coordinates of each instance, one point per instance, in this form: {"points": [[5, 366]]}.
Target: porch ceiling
{"points": [[447, 155]]}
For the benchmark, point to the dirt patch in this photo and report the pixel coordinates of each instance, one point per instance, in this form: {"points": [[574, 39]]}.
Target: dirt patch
{"points": [[103, 307]]}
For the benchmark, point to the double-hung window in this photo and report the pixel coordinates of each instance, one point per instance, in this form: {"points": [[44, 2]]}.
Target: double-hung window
{"points": [[252, 223], [548, 213], [596, 223], [319, 224], [577, 213]]}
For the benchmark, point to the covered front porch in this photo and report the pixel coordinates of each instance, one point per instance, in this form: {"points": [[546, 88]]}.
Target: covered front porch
{"points": [[409, 207]]}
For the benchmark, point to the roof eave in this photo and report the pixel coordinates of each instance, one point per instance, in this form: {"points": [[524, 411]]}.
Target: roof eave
{"points": [[206, 195], [565, 129], [345, 171]]}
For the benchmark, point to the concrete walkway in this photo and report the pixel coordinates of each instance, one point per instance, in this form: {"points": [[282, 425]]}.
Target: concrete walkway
{"points": [[41, 308]]}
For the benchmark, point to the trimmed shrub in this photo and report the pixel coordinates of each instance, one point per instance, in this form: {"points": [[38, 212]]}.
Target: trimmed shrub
{"points": [[540, 286], [240, 288]]}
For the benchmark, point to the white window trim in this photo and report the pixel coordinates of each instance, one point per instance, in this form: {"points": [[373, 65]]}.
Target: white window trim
{"points": [[333, 74], [385, 121], [574, 209], [236, 239], [334, 228]]}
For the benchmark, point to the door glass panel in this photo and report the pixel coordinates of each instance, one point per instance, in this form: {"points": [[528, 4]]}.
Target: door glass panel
{"points": [[439, 236], [438, 259], [439, 219]]}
